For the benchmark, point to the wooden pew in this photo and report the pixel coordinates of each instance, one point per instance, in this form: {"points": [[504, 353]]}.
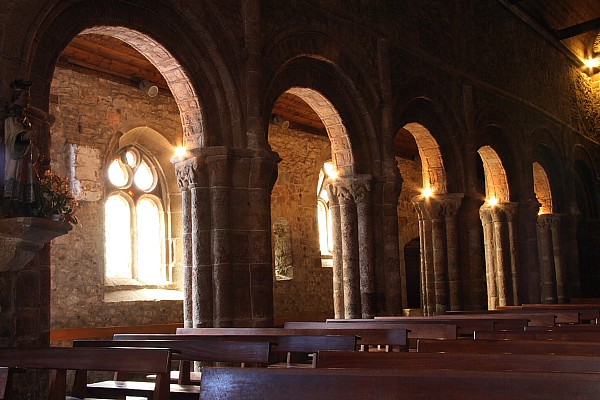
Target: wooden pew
{"points": [[388, 384], [61, 359], [393, 339], [589, 313], [479, 321], [459, 361], [415, 331], [537, 317], [203, 349], [310, 345], [107, 332], [485, 346], [586, 336]]}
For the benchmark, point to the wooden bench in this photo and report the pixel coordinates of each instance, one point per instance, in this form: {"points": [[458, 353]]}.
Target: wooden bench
{"points": [[107, 332], [415, 331], [459, 361], [588, 336], [203, 349], [486, 346], [60, 359], [588, 313], [388, 384], [310, 345], [394, 339], [537, 317], [469, 322]]}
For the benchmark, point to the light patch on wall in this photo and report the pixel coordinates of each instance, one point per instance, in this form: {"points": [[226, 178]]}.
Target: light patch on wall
{"points": [[84, 167]]}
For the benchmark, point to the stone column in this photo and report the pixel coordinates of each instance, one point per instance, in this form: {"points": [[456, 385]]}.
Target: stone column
{"points": [[262, 178], [510, 211], [361, 188], [502, 254], [337, 258], [569, 235], [490, 256], [450, 205], [529, 276], [218, 170], [350, 256], [422, 207], [185, 171], [546, 258], [555, 224], [440, 266]]}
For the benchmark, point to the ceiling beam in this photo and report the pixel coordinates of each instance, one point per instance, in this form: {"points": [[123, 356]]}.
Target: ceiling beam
{"points": [[569, 32]]}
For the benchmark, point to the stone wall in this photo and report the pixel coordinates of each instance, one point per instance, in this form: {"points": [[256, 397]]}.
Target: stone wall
{"points": [[309, 293], [90, 114]]}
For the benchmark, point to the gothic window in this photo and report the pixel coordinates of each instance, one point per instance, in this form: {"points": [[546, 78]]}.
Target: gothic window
{"points": [[134, 222], [324, 212]]}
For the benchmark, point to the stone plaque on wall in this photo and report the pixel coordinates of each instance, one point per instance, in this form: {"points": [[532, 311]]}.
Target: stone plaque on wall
{"points": [[282, 249]]}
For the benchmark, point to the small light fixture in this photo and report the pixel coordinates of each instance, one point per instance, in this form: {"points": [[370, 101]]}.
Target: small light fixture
{"points": [[280, 121], [148, 88], [427, 192], [330, 170], [591, 65], [493, 202], [180, 152]]}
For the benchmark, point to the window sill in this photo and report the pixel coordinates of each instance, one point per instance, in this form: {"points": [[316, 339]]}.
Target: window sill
{"points": [[143, 294]]}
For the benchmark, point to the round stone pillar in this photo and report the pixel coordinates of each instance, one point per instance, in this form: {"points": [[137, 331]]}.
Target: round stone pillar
{"points": [[485, 214], [450, 205], [218, 178], [557, 252], [510, 211], [185, 177], [337, 259], [546, 258], [361, 188], [350, 256]]}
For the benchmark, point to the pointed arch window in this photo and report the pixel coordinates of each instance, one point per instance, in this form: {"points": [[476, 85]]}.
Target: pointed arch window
{"points": [[134, 222]]}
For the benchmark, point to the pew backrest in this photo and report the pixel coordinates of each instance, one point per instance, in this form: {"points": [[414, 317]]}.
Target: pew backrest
{"points": [[587, 336], [61, 359], [415, 331], [487, 346], [392, 338], [459, 361], [388, 384]]}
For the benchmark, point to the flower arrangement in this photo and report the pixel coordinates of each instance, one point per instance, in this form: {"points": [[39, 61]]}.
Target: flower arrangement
{"points": [[56, 199]]}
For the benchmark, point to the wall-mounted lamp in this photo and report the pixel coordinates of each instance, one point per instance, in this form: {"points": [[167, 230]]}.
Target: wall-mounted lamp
{"points": [[148, 88], [591, 65], [493, 201], [280, 121], [427, 192]]}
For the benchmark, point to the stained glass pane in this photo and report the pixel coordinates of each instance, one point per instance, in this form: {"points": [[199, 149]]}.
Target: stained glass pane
{"points": [[117, 217]]}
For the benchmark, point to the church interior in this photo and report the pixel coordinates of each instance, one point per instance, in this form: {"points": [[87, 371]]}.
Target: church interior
{"points": [[249, 163]]}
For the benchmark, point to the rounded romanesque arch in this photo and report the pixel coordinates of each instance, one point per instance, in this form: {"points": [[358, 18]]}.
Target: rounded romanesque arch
{"points": [[496, 182], [542, 189], [188, 62], [434, 173]]}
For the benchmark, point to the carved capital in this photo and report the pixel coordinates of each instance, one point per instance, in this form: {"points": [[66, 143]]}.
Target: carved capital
{"points": [[187, 173]]}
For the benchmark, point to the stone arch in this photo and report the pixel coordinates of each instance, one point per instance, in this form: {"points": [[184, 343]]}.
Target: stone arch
{"points": [[586, 185], [298, 61], [418, 101], [186, 61], [496, 183], [434, 173], [542, 189]]}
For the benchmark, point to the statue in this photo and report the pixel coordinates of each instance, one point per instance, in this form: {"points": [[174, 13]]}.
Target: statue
{"points": [[20, 153]]}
